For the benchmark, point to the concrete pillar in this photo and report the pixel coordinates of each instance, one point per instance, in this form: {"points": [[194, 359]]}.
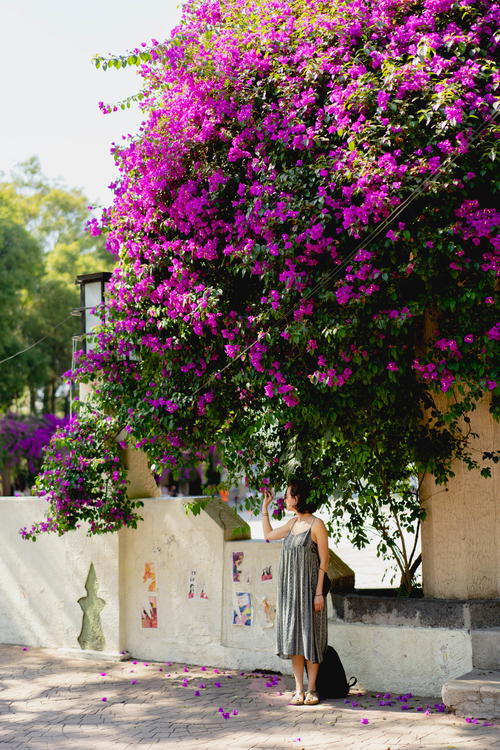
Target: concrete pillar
{"points": [[141, 480], [461, 533]]}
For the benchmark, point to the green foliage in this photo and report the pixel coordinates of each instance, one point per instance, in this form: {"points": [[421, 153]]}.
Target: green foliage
{"points": [[43, 247]]}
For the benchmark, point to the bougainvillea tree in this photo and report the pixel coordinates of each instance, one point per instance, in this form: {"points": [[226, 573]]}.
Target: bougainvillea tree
{"points": [[306, 247], [22, 440]]}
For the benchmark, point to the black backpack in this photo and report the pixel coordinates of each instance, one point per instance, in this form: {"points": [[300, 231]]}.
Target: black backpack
{"points": [[331, 681]]}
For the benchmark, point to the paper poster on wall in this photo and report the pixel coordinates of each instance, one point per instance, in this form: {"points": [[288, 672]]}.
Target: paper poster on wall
{"points": [[202, 593], [149, 615], [237, 565], [192, 585], [241, 573], [149, 607], [267, 573], [269, 612], [242, 608], [149, 575]]}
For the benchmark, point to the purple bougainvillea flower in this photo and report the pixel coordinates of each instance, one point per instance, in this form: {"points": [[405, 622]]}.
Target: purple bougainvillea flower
{"points": [[364, 721], [103, 674], [220, 710], [104, 699], [25, 649], [197, 692], [354, 704], [202, 685], [133, 682], [203, 669], [235, 712], [487, 723], [217, 684]]}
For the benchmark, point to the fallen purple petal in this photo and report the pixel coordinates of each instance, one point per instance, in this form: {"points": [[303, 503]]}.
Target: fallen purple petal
{"points": [[104, 700], [364, 721]]}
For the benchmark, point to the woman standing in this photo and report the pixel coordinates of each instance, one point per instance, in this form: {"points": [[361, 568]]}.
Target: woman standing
{"points": [[301, 608]]}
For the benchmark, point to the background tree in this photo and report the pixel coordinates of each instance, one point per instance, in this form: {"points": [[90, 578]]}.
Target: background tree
{"points": [[52, 220], [20, 269]]}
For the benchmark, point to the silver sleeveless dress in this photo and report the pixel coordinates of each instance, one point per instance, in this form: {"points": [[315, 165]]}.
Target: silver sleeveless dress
{"points": [[299, 629]]}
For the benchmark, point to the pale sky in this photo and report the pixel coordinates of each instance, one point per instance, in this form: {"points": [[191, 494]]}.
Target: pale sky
{"points": [[50, 89]]}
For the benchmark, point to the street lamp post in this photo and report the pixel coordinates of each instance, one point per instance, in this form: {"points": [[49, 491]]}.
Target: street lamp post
{"points": [[92, 290]]}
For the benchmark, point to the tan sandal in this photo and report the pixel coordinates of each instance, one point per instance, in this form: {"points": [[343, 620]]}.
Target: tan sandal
{"points": [[311, 698], [297, 699]]}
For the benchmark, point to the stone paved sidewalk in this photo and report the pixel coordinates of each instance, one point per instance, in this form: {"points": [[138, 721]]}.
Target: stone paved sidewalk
{"points": [[52, 701]]}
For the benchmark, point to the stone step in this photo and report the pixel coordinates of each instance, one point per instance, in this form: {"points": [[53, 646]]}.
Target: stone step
{"points": [[475, 694]]}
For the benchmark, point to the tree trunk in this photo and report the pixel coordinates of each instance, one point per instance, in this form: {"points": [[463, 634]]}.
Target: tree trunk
{"points": [[6, 481], [53, 388]]}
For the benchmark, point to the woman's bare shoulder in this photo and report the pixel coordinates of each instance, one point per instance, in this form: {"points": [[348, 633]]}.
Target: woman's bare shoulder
{"points": [[318, 526]]}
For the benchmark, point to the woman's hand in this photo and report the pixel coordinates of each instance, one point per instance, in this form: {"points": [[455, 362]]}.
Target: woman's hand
{"points": [[268, 497], [319, 602]]}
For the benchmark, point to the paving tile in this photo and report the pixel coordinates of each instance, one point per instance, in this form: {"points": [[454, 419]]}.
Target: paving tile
{"points": [[51, 701]]}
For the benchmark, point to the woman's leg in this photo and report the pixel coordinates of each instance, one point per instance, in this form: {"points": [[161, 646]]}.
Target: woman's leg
{"points": [[312, 673], [298, 671]]}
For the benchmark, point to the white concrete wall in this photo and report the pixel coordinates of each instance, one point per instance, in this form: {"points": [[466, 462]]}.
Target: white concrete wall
{"points": [[401, 659], [40, 584]]}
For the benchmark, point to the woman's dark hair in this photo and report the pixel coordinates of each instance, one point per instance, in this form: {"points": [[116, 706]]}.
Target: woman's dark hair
{"points": [[300, 490]]}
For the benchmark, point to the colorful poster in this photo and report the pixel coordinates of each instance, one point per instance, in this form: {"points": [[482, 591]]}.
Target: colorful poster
{"points": [[267, 573], [202, 592], [149, 575], [149, 608], [149, 616], [196, 588], [242, 608], [237, 565], [269, 612]]}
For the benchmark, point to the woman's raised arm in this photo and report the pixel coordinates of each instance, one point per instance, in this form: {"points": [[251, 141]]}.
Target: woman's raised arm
{"points": [[271, 534]]}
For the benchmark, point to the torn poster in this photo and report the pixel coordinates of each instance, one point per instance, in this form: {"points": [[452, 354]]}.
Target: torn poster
{"points": [[242, 608]]}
